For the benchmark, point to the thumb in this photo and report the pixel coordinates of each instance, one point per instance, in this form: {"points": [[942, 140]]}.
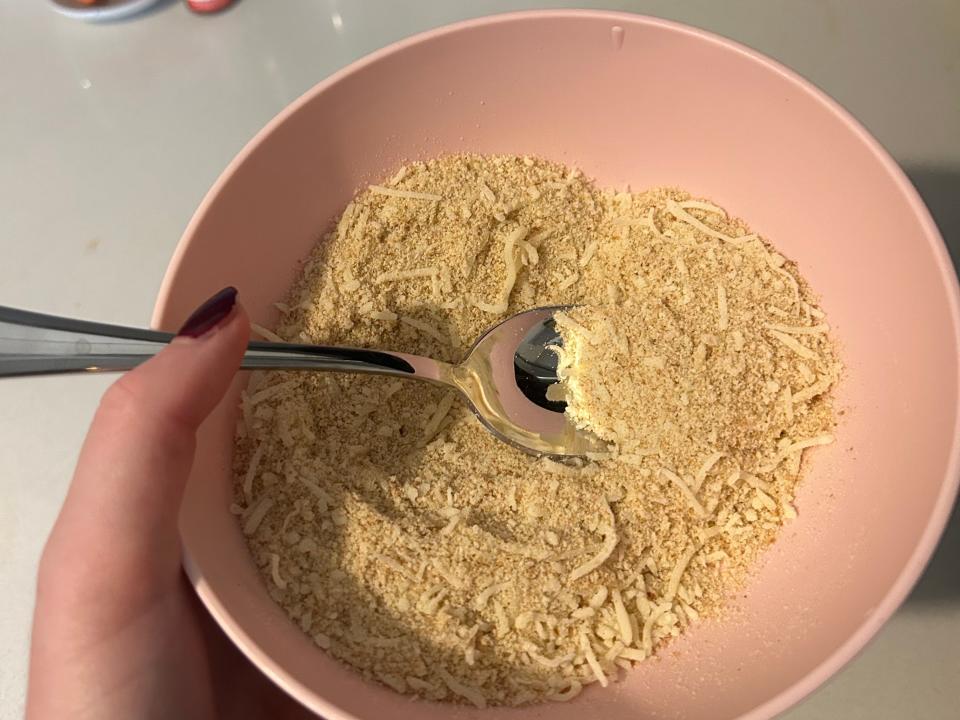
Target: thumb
{"points": [[125, 495]]}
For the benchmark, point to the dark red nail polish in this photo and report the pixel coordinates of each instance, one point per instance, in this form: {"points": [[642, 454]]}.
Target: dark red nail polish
{"points": [[210, 314]]}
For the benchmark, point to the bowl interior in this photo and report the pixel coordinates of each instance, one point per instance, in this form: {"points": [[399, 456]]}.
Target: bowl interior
{"points": [[639, 101]]}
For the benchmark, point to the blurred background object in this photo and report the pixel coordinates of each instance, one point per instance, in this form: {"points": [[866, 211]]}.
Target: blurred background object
{"points": [[208, 6], [102, 10]]}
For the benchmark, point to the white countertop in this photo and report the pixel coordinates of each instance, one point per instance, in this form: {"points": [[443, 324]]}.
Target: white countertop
{"points": [[111, 134]]}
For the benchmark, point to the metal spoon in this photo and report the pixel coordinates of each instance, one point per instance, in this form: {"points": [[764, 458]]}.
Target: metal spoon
{"points": [[504, 375]]}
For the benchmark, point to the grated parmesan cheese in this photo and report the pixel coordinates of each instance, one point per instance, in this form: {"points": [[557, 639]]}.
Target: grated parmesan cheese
{"points": [[723, 314], [793, 344]]}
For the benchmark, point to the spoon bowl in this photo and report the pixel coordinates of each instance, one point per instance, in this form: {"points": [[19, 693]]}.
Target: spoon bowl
{"points": [[505, 376]]}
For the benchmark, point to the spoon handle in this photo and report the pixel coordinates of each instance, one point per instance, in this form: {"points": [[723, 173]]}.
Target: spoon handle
{"points": [[36, 344]]}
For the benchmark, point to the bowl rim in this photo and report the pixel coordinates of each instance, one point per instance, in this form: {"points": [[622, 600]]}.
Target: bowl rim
{"points": [[940, 514]]}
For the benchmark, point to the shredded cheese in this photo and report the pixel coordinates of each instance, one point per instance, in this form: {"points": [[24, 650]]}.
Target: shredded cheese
{"points": [[568, 281], [705, 206], [418, 684], [451, 525], [525, 619], [424, 328], [503, 622], [257, 515], [410, 194], [395, 275], [796, 447], [467, 692], [383, 315], [614, 652], [681, 567], [398, 176], [480, 601], [680, 214], [534, 652], [685, 490], [776, 261], [591, 658], [788, 403], [431, 598], [563, 320], [623, 618], [793, 344], [634, 654], [811, 391], [652, 619], [755, 482], [322, 498], [275, 572], [433, 424], [599, 597], [268, 393], [820, 329], [711, 460], [813, 311], [588, 253], [266, 334], [570, 693], [609, 544], [532, 257], [487, 193], [394, 565], [252, 472], [512, 266]]}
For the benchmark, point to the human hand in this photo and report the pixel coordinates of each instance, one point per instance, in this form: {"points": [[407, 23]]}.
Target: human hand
{"points": [[118, 631]]}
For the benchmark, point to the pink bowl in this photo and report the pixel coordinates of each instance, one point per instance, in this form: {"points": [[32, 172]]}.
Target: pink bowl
{"points": [[641, 101]]}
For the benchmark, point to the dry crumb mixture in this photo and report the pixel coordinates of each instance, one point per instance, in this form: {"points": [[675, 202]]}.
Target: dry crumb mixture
{"points": [[416, 548]]}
